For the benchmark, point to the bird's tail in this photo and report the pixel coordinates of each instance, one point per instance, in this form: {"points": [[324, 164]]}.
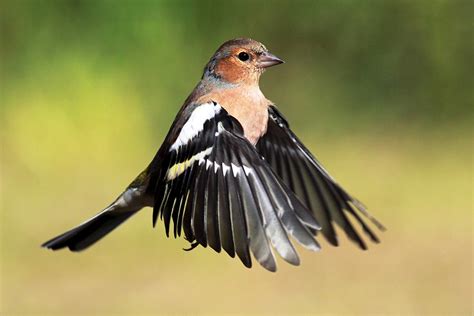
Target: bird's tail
{"points": [[89, 232]]}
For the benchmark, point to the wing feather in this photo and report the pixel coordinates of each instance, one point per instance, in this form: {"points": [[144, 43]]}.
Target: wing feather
{"points": [[212, 215], [238, 220], [305, 176], [223, 193], [223, 208], [199, 207], [273, 227]]}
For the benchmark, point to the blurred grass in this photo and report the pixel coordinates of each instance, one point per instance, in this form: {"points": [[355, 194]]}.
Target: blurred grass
{"points": [[380, 91]]}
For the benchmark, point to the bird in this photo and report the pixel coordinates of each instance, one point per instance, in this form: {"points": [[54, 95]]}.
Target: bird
{"points": [[231, 175]]}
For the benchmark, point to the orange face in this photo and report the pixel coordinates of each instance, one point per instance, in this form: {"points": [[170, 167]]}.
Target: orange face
{"points": [[242, 61], [239, 66]]}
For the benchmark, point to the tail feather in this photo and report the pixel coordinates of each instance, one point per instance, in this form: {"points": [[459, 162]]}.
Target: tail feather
{"points": [[88, 233]]}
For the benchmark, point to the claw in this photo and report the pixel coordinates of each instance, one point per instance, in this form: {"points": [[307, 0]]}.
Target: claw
{"points": [[192, 246]]}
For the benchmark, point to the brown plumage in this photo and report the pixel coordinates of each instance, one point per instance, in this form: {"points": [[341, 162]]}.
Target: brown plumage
{"points": [[232, 175]]}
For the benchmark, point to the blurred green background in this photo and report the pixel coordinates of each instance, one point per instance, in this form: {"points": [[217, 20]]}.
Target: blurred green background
{"points": [[380, 91]]}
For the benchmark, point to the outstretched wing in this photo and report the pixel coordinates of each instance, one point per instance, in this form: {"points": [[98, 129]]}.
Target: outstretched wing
{"points": [[221, 193], [306, 177]]}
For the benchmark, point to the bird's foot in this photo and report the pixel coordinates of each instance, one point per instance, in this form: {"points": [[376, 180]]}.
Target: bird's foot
{"points": [[192, 246]]}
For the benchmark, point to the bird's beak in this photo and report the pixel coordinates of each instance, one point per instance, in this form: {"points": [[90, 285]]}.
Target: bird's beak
{"points": [[266, 60]]}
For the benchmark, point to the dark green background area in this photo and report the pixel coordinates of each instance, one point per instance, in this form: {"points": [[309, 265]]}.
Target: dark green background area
{"points": [[381, 91], [348, 62]]}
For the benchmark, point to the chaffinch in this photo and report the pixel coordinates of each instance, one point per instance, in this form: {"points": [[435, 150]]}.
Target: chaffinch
{"points": [[232, 175]]}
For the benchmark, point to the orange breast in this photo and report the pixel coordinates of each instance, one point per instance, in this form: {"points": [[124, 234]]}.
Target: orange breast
{"points": [[248, 105]]}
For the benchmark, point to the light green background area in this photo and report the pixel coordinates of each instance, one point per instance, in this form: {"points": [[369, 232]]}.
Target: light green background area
{"points": [[380, 91]]}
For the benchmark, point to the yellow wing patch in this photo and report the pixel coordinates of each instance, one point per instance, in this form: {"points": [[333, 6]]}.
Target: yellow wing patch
{"points": [[178, 168]]}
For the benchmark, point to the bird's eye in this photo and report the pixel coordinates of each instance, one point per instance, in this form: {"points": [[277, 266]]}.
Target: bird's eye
{"points": [[243, 56]]}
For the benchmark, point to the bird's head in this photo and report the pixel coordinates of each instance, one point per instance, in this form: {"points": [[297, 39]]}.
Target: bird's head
{"points": [[240, 61]]}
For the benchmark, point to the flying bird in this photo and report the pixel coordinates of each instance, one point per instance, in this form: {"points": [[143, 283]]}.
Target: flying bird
{"points": [[233, 176]]}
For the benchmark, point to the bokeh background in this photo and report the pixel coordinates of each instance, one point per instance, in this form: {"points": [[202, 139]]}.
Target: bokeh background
{"points": [[381, 91]]}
